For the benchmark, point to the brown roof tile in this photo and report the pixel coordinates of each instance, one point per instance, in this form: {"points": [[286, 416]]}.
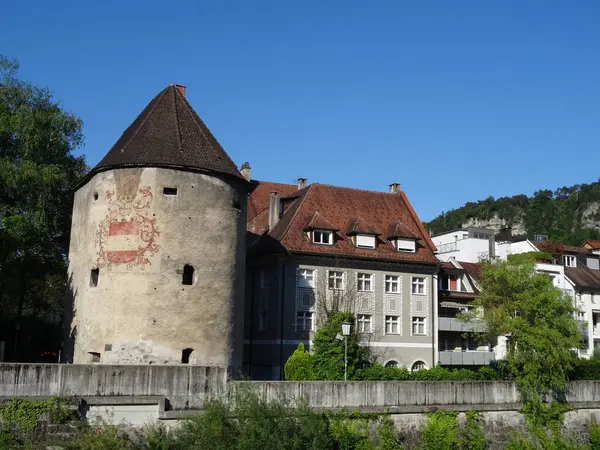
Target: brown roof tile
{"points": [[358, 225], [584, 276], [318, 222], [340, 206], [168, 133], [557, 248], [472, 269], [258, 203], [399, 230], [593, 244]]}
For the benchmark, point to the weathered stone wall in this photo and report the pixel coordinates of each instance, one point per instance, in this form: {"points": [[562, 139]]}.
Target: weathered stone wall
{"points": [[140, 238], [140, 394], [184, 387]]}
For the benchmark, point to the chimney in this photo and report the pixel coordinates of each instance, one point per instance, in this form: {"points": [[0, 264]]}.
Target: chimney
{"points": [[274, 209], [492, 247], [301, 183], [181, 88], [395, 188], [245, 170]]}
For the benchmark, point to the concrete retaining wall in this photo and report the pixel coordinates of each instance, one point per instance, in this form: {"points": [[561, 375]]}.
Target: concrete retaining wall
{"points": [[188, 388], [184, 387]]}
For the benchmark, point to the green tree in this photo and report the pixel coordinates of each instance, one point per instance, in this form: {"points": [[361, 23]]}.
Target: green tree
{"points": [[328, 349], [298, 367], [524, 305], [37, 172]]}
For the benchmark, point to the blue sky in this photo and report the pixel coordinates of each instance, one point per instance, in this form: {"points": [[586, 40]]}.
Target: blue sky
{"points": [[454, 100]]}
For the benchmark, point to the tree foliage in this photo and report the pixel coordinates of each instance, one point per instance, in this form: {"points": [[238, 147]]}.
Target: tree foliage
{"points": [[562, 214], [328, 350], [299, 365], [539, 320], [37, 172]]}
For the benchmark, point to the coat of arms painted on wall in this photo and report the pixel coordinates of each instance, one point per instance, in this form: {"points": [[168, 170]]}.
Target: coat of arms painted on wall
{"points": [[127, 237]]}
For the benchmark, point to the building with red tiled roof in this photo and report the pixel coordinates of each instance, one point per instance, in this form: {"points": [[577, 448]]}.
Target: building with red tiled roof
{"points": [[591, 244], [367, 249]]}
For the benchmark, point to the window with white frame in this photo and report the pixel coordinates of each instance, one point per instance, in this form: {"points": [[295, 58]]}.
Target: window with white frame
{"points": [[364, 323], [391, 363], [418, 326], [418, 285], [365, 241], [304, 321], [306, 278], [570, 260], [581, 316], [336, 280], [364, 282], [392, 324], [392, 284], [406, 245], [419, 365], [322, 237]]}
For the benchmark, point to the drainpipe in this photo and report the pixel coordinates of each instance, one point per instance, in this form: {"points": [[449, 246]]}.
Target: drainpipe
{"points": [[251, 331], [281, 310], [434, 321]]}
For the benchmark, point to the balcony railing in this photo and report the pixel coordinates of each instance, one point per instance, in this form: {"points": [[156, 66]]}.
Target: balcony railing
{"points": [[445, 248], [452, 324], [468, 358]]}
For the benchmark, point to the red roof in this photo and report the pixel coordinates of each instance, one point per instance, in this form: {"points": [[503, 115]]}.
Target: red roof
{"points": [[472, 269], [258, 203], [358, 225], [593, 244], [557, 248], [340, 206], [318, 222]]}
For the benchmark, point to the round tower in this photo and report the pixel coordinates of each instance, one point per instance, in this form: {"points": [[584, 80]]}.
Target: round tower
{"points": [[157, 255]]}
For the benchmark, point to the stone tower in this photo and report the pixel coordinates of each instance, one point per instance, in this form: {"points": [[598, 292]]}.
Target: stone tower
{"points": [[157, 255]]}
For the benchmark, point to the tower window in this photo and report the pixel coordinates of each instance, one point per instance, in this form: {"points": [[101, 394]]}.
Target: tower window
{"points": [[170, 191], [188, 275], [95, 196], [185, 355], [94, 274], [95, 357]]}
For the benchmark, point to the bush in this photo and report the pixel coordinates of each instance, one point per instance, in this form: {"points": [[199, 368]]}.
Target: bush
{"points": [[441, 431], [594, 436], [586, 369], [377, 372], [299, 366], [104, 437]]}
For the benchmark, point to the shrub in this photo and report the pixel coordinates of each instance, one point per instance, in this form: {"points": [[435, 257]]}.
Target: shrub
{"points": [[299, 366], [586, 369], [594, 436], [104, 437], [377, 372], [441, 431], [471, 435]]}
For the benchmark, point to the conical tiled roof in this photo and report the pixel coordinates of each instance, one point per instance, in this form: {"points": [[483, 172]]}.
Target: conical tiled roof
{"points": [[168, 133]]}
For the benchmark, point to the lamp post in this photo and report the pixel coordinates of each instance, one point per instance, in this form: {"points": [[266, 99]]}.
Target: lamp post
{"points": [[346, 332]]}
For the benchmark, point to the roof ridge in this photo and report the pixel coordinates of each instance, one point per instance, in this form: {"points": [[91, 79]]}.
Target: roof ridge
{"points": [[418, 222], [156, 101], [354, 189], [302, 199], [177, 128]]}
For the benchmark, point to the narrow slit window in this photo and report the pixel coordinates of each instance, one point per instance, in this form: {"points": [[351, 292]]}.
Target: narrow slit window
{"points": [[188, 275], [185, 355], [95, 196], [170, 191], [94, 274]]}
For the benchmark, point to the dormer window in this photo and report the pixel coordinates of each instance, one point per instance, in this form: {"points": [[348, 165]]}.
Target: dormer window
{"points": [[569, 261], [322, 237], [406, 245], [365, 241]]}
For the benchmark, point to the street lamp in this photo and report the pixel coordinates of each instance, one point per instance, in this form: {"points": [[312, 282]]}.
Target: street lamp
{"points": [[346, 332]]}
